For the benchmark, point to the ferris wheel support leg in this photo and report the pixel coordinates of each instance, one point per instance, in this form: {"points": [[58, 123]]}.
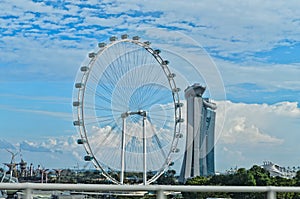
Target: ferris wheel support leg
{"points": [[123, 152], [144, 152]]}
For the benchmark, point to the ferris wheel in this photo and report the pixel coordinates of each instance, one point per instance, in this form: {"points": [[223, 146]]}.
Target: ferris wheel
{"points": [[127, 110]]}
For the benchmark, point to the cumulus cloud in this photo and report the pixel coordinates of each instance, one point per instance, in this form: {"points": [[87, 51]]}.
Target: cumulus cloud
{"points": [[290, 109], [63, 144], [244, 133], [247, 122], [33, 147], [257, 132], [51, 152]]}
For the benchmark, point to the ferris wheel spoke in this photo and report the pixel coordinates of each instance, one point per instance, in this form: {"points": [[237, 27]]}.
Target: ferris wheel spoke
{"points": [[101, 108], [106, 137], [102, 97], [99, 147], [148, 101], [98, 94], [107, 109], [104, 116], [154, 102], [111, 136], [90, 123], [104, 121], [159, 145]]}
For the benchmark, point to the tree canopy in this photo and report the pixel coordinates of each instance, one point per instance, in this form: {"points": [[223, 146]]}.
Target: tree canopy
{"points": [[255, 176]]}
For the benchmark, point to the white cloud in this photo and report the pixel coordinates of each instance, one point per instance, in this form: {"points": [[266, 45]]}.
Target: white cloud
{"points": [[258, 132], [200, 20], [271, 77], [239, 22], [289, 109], [243, 133], [204, 16], [49, 99], [63, 115]]}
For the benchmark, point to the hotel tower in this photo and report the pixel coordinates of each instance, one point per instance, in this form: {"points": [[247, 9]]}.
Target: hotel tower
{"points": [[199, 158]]}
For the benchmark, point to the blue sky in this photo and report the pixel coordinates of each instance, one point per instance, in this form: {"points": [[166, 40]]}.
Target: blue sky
{"points": [[254, 44]]}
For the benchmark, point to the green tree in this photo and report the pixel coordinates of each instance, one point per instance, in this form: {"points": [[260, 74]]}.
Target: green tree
{"points": [[243, 178], [199, 180], [203, 180], [167, 178], [262, 177], [297, 178], [220, 179]]}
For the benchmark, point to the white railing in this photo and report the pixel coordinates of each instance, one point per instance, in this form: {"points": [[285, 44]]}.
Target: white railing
{"points": [[160, 190]]}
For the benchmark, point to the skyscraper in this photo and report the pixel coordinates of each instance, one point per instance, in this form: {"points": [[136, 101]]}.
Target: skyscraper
{"points": [[199, 157]]}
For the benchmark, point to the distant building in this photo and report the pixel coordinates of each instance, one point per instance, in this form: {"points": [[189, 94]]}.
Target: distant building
{"points": [[199, 156], [276, 170], [23, 165]]}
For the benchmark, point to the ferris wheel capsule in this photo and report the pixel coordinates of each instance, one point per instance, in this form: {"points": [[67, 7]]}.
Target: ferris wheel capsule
{"points": [[76, 103], [92, 55], [113, 38], [135, 38], [101, 45], [147, 43], [125, 36], [175, 90], [179, 135], [80, 141], [84, 69], [179, 105], [79, 85], [179, 120], [88, 158], [77, 123], [165, 62], [157, 51]]}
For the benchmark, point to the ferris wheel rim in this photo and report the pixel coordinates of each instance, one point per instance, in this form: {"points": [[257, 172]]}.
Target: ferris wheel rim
{"points": [[81, 98]]}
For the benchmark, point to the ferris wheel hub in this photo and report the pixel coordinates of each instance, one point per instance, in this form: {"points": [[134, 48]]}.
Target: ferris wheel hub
{"points": [[139, 112]]}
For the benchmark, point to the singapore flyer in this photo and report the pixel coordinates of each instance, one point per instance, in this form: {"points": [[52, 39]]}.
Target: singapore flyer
{"points": [[127, 110]]}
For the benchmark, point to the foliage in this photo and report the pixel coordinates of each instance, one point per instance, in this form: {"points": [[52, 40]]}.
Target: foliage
{"points": [[255, 176], [262, 177], [167, 178]]}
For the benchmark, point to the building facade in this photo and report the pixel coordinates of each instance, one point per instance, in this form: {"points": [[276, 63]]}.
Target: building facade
{"points": [[199, 156]]}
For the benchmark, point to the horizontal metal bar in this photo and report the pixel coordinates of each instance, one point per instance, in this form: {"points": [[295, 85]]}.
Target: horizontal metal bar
{"points": [[182, 188]]}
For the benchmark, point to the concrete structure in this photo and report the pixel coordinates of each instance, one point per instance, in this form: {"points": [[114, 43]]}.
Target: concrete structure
{"points": [[199, 157]]}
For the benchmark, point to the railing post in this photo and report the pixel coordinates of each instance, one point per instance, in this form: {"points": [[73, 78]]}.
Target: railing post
{"points": [[160, 194], [27, 193], [271, 194]]}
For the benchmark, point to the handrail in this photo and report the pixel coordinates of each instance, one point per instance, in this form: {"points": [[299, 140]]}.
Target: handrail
{"points": [[159, 189]]}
